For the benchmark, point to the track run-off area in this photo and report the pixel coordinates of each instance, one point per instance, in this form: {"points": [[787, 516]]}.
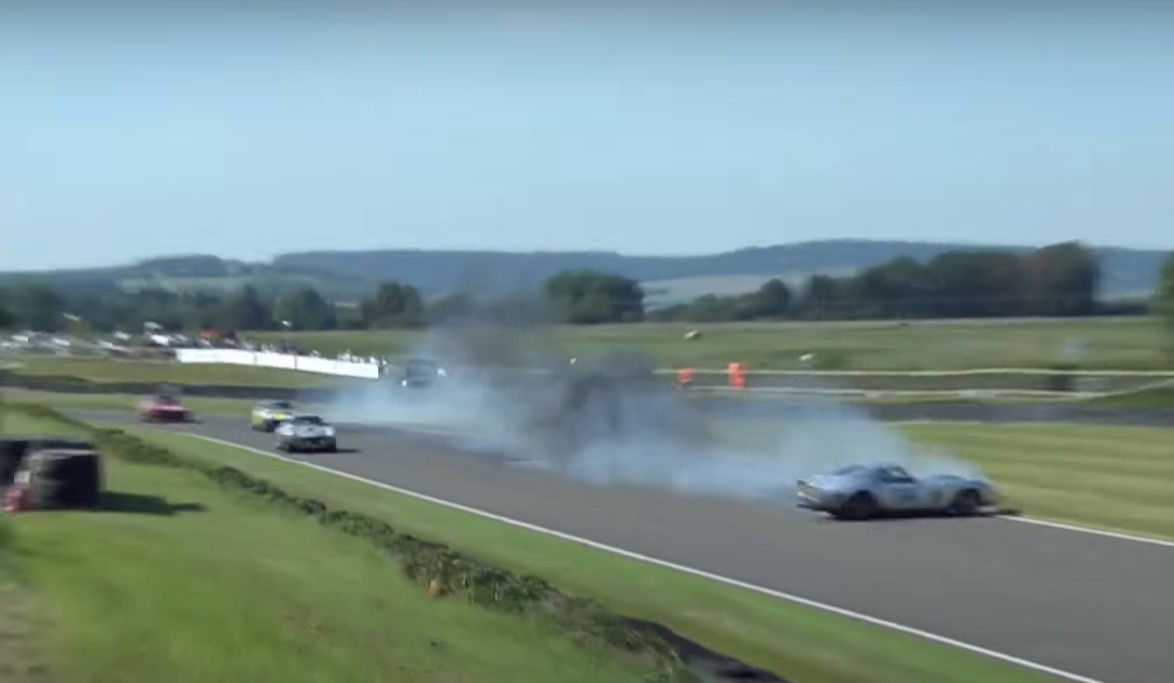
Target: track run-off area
{"points": [[1080, 604]]}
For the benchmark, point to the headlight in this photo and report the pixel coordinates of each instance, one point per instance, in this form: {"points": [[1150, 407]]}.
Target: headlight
{"points": [[330, 431]]}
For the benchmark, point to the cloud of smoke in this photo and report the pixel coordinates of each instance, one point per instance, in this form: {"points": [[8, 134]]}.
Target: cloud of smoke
{"points": [[606, 420]]}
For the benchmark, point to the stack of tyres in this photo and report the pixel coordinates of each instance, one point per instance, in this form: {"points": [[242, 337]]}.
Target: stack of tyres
{"points": [[60, 478], [14, 450]]}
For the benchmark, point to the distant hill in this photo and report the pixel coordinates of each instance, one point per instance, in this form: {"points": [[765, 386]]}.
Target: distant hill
{"points": [[350, 275]]}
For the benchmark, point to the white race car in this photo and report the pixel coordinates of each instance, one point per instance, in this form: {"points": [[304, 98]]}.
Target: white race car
{"points": [[306, 433]]}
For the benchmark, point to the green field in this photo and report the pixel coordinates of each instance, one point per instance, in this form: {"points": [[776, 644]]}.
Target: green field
{"points": [[1123, 343], [180, 581]]}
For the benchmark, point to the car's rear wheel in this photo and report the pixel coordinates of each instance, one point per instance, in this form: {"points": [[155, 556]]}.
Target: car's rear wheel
{"points": [[966, 503], [860, 506]]}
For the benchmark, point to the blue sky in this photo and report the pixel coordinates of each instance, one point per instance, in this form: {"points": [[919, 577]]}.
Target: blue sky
{"points": [[709, 127]]}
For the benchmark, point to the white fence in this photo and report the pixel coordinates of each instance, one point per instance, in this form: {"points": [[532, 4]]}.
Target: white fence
{"points": [[282, 361]]}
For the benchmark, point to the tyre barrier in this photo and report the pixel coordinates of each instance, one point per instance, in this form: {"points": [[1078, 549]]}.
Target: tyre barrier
{"points": [[64, 478], [15, 449]]}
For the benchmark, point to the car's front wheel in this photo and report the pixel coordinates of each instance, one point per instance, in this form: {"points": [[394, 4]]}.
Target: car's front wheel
{"points": [[860, 506], [966, 503]]}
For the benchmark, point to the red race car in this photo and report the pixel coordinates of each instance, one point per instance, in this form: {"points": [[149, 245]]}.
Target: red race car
{"points": [[163, 408]]}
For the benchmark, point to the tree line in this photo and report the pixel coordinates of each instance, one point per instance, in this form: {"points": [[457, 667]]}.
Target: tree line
{"points": [[1164, 300], [45, 309], [1058, 280]]}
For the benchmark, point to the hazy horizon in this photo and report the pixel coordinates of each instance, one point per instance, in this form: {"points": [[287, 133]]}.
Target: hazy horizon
{"points": [[699, 128], [269, 259]]}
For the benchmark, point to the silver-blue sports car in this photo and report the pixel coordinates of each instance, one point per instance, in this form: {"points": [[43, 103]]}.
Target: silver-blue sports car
{"points": [[864, 491]]}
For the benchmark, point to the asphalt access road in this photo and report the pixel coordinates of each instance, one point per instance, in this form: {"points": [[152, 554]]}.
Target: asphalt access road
{"points": [[1091, 605], [991, 413]]}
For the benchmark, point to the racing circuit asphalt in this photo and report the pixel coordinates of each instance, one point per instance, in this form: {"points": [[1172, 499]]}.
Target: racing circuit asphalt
{"points": [[1091, 605]]}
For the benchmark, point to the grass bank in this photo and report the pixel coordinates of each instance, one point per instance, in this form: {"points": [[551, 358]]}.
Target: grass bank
{"points": [[799, 643], [184, 581]]}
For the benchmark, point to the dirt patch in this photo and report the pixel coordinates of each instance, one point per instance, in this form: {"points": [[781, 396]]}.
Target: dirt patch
{"points": [[708, 666], [20, 660]]}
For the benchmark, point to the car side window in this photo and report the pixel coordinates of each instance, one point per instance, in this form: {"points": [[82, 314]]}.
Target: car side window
{"points": [[895, 476]]}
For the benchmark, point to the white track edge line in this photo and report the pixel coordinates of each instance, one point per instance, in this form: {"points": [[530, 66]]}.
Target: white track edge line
{"points": [[857, 616], [1077, 528]]}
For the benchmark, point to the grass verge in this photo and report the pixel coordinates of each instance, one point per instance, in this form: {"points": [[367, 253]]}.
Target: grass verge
{"points": [[1115, 478], [127, 402], [1155, 397], [212, 584], [21, 660], [1108, 477], [801, 643]]}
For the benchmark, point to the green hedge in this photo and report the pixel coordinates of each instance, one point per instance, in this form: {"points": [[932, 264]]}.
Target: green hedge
{"points": [[478, 582]]}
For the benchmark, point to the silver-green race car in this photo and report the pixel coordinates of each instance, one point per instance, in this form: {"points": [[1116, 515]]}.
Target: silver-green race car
{"points": [[864, 491], [268, 415]]}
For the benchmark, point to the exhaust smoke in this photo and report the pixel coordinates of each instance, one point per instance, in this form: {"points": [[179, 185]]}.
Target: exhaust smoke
{"points": [[606, 419]]}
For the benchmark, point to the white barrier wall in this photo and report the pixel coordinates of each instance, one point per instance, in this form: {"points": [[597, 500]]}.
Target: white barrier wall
{"points": [[282, 361]]}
